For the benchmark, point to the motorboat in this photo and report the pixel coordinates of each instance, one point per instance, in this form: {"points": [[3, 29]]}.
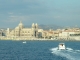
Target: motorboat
{"points": [[61, 46]]}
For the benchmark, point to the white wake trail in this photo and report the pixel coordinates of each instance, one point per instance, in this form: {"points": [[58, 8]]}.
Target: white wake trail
{"points": [[70, 54]]}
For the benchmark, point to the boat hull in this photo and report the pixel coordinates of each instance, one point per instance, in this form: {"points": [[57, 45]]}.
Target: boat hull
{"points": [[61, 46]]}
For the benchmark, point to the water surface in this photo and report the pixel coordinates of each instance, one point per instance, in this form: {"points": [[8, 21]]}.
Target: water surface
{"points": [[38, 50]]}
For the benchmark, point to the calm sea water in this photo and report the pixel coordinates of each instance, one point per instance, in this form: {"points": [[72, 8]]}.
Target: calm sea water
{"points": [[38, 50]]}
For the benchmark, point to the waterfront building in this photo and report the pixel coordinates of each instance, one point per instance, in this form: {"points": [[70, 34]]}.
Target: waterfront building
{"points": [[68, 34], [2, 32], [34, 33], [21, 32], [47, 34], [44, 34], [40, 33]]}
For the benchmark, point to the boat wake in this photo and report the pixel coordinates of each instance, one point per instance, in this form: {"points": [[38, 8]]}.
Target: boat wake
{"points": [[69, 53]]}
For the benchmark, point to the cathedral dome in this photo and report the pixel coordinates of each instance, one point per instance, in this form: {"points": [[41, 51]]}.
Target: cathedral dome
{"points": [[20, 24]]}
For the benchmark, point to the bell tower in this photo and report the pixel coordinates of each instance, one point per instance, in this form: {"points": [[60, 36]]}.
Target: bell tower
{"points": [[35, 30]]}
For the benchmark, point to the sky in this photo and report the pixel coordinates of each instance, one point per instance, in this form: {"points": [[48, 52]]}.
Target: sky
{"points": [[56, 12]]}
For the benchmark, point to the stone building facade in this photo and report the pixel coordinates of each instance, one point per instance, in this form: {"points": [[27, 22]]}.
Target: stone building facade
{"points": [[21, 32]]}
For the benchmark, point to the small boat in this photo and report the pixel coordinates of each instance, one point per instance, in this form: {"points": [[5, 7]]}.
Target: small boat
{"points": [[24, 42], [61, 46]]}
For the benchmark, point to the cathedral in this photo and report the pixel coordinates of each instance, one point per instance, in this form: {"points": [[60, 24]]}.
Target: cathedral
{"points": [[21, 32]]}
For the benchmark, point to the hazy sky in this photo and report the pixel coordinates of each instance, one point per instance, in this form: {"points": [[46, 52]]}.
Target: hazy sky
{"points": [[58, 12]]}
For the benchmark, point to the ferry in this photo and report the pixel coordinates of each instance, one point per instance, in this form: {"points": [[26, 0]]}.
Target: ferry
{"points": [[61, 46]]}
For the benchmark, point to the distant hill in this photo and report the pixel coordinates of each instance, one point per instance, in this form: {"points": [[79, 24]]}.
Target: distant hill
{"points": [[47, 27]]}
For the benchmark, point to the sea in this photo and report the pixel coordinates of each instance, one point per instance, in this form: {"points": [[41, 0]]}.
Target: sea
{"points": [[38, 50]]}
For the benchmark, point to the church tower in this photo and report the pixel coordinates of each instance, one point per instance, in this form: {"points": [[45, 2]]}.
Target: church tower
{"points": [[35, 30], [20, 28]]}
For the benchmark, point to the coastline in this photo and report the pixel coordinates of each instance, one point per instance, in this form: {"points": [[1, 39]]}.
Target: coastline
{"points": [[36, 40]]}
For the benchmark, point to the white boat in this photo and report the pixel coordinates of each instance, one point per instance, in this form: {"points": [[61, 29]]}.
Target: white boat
{"points": [[24, 42], [61, 46]]}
